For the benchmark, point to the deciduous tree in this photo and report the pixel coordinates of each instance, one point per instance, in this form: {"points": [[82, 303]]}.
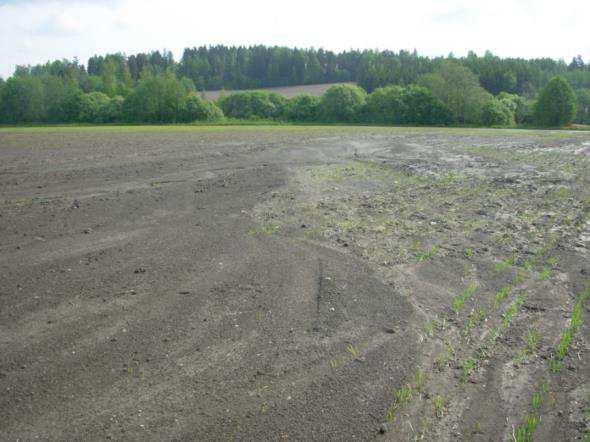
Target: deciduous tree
{"points": [[556, 104]]}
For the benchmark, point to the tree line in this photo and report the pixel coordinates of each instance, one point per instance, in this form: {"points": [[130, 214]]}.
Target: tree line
{"points": [[395, 88]]}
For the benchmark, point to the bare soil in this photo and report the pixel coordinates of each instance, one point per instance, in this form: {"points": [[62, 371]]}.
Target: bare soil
{"points": [[292, 283], [286, 91]]}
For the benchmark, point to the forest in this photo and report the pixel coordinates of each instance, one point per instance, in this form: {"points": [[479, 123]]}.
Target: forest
{"points": [[392, 88]]}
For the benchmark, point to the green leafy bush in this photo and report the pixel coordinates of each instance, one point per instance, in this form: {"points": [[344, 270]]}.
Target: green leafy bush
{"points": [[2, 83], [459, 89], [114, 111], [156, 99], [252, 105], [497, 112], [556, 104], [583, 113], [95, 108], [386, 105], [343, 103], [520, 106], [422, 107], [405, 105], [198, 109], [303, 107]]}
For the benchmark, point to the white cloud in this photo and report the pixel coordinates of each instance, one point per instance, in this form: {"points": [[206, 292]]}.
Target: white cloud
{"points": [[34, 31]]}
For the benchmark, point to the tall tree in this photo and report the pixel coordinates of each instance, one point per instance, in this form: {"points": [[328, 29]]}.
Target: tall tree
{"points": [[556, 105], [459, 89], [583, 113], [23, 100], [157, 99]]}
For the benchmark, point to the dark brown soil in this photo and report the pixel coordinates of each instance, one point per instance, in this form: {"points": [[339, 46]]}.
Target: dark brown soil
{"points": [[285, 283]]}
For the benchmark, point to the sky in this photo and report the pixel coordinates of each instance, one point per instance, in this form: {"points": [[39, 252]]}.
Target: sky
{"points": [[35, 31]]}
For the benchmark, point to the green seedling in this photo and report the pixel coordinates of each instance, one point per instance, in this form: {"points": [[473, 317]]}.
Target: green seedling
{"points": [[525, 432], [528, 265], [502, 266], [539, 396], [545, 274], [477, 427], [419, 380], [512, 311], [401, 396], [430, 253], [467, 368], [562, 350], [551, 261], [532, 342], [494, 334], [430, 327], [475, 318], [352, 350], [519, 277], [439, 406], [501, 295], [460, 300]]}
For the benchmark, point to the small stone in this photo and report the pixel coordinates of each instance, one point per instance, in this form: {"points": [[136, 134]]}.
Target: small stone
{"points": [[383, 428]]}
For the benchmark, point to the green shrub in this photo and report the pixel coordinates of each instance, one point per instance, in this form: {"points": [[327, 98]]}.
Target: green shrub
{"points": [[94, 108], [198, 109], [583, 99], [459, 89], [556, 104], [303, 107], [343, 103], [405, 105], [385, 105], [114, 111], [280, 103], [252, 105], [422, 107], [156, 99], [2, 83], [497, 112], [521, 107]]}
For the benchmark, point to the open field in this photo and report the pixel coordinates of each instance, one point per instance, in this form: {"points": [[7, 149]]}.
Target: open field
{"points": [[285, 91], [265, 283]]}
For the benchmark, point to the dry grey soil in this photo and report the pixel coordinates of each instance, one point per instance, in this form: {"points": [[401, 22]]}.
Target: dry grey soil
{"points": [[292, 283], [285, 91]]}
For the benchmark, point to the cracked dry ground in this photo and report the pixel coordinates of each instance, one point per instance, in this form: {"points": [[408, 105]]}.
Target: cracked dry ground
{"points": [[294, 283]]}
